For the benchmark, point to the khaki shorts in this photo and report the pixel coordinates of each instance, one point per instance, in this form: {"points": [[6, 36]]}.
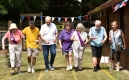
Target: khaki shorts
{"points": [[67, 53], [32, 52]]}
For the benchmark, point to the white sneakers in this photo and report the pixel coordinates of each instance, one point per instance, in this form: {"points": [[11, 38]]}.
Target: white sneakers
{"points": [[117, 69], [69, 68], [31, 70], [51, 67]]}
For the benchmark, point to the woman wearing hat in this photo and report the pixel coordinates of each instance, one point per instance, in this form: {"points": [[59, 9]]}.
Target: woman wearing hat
{"points": [[15, 46]]}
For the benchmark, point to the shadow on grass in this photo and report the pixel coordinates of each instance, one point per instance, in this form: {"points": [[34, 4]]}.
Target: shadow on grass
{"points": [[59, 68], [90, 68], [36, 70], [121, 69]]}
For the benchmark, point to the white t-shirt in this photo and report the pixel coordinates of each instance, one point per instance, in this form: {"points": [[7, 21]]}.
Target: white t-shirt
{"points": [[49, 33]]}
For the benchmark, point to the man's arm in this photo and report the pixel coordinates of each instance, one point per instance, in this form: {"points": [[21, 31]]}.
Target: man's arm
{"points": [[90, 35], [42, 37]]}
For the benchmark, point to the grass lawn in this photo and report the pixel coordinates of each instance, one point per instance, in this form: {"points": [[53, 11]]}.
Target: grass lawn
{"points": [[60, 73]]}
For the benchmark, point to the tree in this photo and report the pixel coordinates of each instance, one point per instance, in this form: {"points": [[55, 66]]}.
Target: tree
{"points": [[88, 5], [2, 10], [25, 6], [63, 8]]}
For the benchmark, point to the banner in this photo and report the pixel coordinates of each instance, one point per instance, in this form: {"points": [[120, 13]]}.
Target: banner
{"points": [[34, 17], [124, 3], [90, 17], [116, 7], [65, 19], [22, 18], [53, 19], [41, 17], [100, 14], [79, 17], [28, 18], [86, 17], [59, 19], [72, 18]]}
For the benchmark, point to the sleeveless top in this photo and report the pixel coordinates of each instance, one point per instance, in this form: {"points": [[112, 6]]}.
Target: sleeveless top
{"points": [[118, 38], [100, 33]]}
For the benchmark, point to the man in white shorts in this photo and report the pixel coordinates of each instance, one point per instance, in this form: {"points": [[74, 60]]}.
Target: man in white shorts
{"points": [[32, 35]]}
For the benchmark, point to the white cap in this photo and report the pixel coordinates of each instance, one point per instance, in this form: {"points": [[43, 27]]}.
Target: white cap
{"points": [[13, 26]]}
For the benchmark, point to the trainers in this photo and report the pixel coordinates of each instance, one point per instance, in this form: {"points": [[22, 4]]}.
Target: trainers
{"points": [[19, 72], [46, 70], [51, 67], [79, 69], [67, 68], [33, 71], [95, 69], [117, 69], [98, 67], [111, 68], [70, 67], [29, 69], [76, 69], [12, 73]]}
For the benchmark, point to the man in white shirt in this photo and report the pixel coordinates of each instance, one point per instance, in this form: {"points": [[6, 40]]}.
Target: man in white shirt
{"points": [[49, 35]]}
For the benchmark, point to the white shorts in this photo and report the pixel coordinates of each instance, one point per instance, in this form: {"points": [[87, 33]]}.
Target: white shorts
{"points": [[32, 52]]}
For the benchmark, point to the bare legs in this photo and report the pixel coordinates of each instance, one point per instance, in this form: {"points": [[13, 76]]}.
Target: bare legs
{"points": [[33, 61], [68, 59]]}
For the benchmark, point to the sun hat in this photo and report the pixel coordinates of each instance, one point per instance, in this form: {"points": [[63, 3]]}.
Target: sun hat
{"points": [[13, 26]]}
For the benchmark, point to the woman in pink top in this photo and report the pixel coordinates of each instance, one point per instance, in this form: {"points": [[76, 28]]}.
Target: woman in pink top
{"points": [[15, 46]]}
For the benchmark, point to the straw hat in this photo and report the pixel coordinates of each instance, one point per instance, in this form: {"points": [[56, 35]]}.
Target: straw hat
{"points": [[13, 26]]}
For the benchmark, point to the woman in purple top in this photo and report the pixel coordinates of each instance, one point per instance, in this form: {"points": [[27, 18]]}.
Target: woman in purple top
{"points": [[65, 44]]}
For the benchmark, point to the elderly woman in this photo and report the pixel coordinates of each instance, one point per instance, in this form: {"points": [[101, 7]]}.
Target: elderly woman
{"points": [[15, 46], [65, 44], [80, 40], [116, 37]]}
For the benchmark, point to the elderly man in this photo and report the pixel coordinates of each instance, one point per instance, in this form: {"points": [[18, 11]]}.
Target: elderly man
{"points": [[32, 35], [49, 35], [98, 36]]}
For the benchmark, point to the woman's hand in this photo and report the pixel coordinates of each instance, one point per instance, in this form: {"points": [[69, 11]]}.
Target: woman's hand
{"points": [[61, 47], [93, 37], [124, 46], [3, 47]]}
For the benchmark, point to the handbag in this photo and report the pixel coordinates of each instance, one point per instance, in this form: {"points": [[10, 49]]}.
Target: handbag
{"points": [[118, 48]]}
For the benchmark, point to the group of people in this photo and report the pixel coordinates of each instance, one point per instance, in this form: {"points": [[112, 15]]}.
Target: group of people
{"points": [[70, 41]]}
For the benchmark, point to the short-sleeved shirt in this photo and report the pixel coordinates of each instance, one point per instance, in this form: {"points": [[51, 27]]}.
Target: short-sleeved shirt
{"points": [[31, 36], [116, 38], [49, 33], [17, 35], [66, 42], [76, 44], [99, 33]]}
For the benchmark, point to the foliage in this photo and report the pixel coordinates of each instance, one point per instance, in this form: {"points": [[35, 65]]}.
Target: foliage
{"points": [[2, 10], [49, 7]]}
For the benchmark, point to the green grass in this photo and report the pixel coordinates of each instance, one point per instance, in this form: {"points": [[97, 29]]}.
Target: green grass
{"points": [[60, 73]]}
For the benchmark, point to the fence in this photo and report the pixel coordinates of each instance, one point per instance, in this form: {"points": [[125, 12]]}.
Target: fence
{"points": [[2, 33]]}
